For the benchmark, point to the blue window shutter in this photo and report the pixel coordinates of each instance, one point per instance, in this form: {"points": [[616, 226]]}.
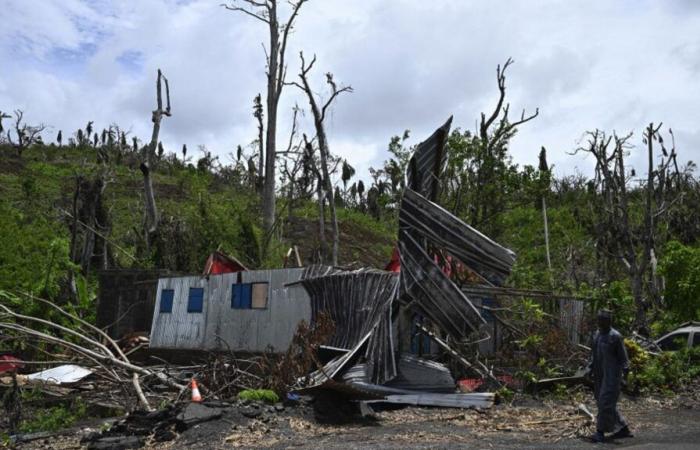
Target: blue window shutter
{"points": [[236, 296], [195, 302], [166, 300], [246, 296]]}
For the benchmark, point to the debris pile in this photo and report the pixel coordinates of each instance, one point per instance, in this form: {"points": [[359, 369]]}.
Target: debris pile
{"points": [[76, 340], [368, 305]]}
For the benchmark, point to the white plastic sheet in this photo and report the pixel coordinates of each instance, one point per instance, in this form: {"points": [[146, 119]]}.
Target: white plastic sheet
{"points": [[65, 374]]}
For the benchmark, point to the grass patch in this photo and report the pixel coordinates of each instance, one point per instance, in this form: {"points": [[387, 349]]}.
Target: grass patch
{"points": [[55, 418]]}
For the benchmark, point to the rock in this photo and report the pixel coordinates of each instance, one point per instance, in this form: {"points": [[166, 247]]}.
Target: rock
{"points": [[116, 443], [252, 411], [279, 407], [217, 404], [164, 435], [195, 413]]}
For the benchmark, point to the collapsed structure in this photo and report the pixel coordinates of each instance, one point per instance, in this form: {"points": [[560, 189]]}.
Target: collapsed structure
{"points": [[377, 314], [373, 310]]}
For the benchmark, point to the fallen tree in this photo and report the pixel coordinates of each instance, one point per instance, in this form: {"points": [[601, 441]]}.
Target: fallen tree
{"points": [[82, 343]]}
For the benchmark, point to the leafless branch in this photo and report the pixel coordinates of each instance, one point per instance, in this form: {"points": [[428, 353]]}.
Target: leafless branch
{"points": [[263, 16]]}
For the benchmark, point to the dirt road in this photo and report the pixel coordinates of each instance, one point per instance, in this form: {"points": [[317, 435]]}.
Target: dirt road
{"points": [[663, 424], [530, 424]]}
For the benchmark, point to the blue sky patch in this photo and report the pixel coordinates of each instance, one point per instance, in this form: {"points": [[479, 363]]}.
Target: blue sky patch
{"points": [[131, 60]]}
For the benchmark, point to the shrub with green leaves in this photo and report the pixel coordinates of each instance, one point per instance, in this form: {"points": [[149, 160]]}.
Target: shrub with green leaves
{"points": [[260, 395], [664, 372], [681, 268]]}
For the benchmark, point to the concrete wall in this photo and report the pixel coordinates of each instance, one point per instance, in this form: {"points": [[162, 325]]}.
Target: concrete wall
{"points": [[220, 327]]}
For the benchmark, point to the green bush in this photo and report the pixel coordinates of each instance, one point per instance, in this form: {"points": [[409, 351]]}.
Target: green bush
{"points": [[681, 268], [665, 372], [262, 395], [55, 418], [505, 394]]}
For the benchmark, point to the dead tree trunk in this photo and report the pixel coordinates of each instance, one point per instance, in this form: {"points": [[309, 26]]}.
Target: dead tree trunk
{"points": [[267, 11], [323, 245], [319, 114], [151, 217], [494, 132], [89, 223], [629, 239], [258, 114], [26, 135], [321, 197], [544, 172]]}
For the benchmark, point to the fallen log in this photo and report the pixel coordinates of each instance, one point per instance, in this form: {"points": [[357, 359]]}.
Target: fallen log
{"points": [[86, 342]]}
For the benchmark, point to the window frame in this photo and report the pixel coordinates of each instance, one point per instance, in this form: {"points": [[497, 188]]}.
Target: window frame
{"points": [[170, 303], [672, 339], [242, 295], [191, 308], [267, 295]]}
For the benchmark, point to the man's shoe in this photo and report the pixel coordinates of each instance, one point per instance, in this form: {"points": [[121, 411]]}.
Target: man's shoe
{"points": [[598, 437], [623, 433]]}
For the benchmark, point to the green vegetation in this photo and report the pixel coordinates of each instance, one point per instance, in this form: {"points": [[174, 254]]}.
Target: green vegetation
{"points": [[55, 418], [665, 372], [202, 208], [505, 395], [260, 395], [681, 268]]}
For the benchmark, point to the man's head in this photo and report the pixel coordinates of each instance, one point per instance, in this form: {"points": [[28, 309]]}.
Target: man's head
{"points": [[604, 320]]}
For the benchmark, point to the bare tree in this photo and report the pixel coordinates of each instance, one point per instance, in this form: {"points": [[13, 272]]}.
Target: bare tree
{"points": [[26, 135], [296, 156], [494, 133], [267, 11], [319, 113], [259, 115], [630, 239], [151, 213], [544, 172]]}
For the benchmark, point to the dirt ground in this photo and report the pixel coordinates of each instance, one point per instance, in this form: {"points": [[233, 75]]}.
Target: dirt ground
{"points": [[664, 423]]}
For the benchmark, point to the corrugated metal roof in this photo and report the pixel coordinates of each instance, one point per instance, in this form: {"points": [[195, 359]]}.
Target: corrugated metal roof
{"points": [[363, 302]]}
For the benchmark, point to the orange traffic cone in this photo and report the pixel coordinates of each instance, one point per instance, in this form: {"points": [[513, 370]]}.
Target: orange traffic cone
{"points": [[196, 396]]}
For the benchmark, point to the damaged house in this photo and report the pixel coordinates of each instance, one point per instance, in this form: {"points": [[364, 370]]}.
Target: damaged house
{"points": [[249, 311], [383, 320]]}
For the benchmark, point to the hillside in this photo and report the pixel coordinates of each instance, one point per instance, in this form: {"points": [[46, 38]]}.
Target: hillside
{"points": [[201, 209]]}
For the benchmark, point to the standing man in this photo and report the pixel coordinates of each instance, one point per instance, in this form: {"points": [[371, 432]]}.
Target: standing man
{"points": [[609, 367]]}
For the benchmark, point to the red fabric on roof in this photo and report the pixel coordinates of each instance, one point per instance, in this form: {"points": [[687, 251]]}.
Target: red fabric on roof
{"points": [[218, 263]]}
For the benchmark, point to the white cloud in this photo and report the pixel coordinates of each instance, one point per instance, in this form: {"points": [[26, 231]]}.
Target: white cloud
{"points": [[412, 63]]}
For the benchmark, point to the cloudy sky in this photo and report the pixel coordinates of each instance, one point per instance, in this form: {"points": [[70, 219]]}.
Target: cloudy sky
{"points": [[614, 65]]}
